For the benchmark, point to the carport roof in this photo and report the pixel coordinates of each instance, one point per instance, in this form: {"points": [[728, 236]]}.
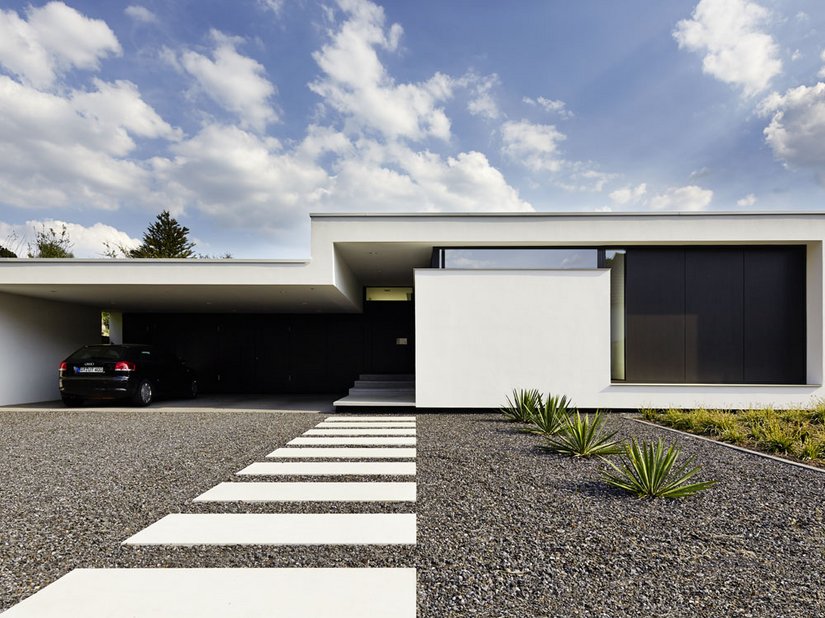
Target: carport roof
{"points": [[350, 251]]}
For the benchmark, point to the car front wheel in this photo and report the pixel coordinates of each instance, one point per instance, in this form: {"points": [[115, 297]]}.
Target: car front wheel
{"points": [[144, 393]]}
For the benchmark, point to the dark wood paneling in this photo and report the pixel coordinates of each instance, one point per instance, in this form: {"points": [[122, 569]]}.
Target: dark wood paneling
{"points": [[713, 315], [283, 353], [774, 315], [655, 314]]}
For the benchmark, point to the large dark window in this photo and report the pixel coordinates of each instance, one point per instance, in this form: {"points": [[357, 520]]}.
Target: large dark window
{"points": [[715, 315]]}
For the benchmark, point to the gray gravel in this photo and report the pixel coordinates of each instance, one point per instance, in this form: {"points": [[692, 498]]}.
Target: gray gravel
{"points": [[504, 528]]}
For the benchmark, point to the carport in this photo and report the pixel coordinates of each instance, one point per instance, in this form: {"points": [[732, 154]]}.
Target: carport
{"points": [[247, 326]]}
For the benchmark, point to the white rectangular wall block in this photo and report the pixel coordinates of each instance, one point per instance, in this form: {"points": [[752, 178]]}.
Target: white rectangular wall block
{"points": [[369, 424], [343, 453], [389, 431], [330, 468], [324, 441], [310, 492], [279, 529], [225, 593], [350, 419]]}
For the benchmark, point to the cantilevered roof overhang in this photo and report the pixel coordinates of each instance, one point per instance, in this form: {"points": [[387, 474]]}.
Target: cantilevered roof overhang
{"points": [[350, 251]]}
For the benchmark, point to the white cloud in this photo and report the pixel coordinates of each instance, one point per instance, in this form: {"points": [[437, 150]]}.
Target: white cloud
{"points": [[234, 81], [74, 149], [276, 6], [535, 146], [690, 197], [140, 14], [796, 132], [822, 70], [53, 40], [748, 200], [482, 103], [628, 194], [356, 84], [86, 241], [120, 105], [553, 106], [736, 48]]}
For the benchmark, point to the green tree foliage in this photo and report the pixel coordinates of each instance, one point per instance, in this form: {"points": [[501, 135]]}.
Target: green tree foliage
{"points": [[7, 253], [165, 238], [48, 243]]}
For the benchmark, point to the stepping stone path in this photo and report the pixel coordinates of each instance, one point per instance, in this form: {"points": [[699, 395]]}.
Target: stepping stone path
{"points": [[271, 592]]}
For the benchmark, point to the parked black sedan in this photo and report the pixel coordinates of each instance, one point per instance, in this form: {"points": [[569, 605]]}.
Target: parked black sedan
{"points": [[132, 372]]}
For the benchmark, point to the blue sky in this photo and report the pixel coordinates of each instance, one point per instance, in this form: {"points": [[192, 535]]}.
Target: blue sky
{"points": [[243, 117]]}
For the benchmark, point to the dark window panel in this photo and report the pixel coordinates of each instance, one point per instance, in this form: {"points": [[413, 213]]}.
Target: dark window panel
{"points": [[713, 315], [655, 306], [774, 315]]}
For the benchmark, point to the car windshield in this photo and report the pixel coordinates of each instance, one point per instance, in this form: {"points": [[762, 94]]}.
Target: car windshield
{"points": [[102, 352]]}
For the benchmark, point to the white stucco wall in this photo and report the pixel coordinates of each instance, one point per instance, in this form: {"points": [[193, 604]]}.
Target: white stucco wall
{"points": [[35, 335], [482, 333]]}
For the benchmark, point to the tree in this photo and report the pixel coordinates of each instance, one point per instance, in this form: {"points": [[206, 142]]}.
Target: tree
{"points": [[165, 238], [7, 253], [49, 244]]}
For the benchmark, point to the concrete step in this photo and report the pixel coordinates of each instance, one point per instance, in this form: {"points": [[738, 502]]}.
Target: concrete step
{"points": [[384, 384], [387, 376], [381, 392]]}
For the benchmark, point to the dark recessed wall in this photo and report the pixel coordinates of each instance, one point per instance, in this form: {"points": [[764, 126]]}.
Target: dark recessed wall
{"points": [[283, 353], [715, 315]]}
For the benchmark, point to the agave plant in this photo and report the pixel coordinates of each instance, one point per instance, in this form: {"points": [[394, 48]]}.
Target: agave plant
{"points": [[649, 471], [583, 436], [550, 417], [523, 406]]}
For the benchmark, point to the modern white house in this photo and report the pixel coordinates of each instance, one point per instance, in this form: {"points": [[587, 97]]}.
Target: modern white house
{"points": [[615, 310]]}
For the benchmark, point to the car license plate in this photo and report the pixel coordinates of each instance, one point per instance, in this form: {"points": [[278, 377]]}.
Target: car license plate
{"points": [[88, 369]]}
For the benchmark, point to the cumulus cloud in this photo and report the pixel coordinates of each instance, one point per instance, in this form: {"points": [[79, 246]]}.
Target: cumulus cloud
{"points": [[690, 197], [234, 81], [276, 6], [748, 200], [87, 241], [52, 40], [628, 194], [737, 50], [553, 106], [482, 102], [140, 14], [356, 84], [74, 149], [796, 132], [535, 146]]}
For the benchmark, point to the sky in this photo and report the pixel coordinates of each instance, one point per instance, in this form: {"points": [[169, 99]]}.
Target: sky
{"points": [[243, 117]]}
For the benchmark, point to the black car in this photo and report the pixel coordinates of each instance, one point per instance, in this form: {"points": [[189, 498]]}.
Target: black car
{"points": [[134, 372]]}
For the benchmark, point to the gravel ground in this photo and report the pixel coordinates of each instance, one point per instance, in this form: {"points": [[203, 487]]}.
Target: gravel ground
{"points": [[504, 529]]}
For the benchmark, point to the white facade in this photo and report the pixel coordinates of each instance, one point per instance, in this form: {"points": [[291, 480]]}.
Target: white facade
{"points": [[479, 334]]}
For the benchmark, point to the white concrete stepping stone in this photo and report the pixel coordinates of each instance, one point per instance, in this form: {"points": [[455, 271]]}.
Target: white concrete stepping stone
{"points": [[279, 529], [389, 431], [326, 441], [351, 419], [366, 425], [310, 492], [315, 452], [330, 468], [225, 593]]}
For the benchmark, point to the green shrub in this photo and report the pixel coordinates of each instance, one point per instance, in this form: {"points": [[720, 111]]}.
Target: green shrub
{"points": [[550, 417], [583, 436], [523, 406], [648, 471]]}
